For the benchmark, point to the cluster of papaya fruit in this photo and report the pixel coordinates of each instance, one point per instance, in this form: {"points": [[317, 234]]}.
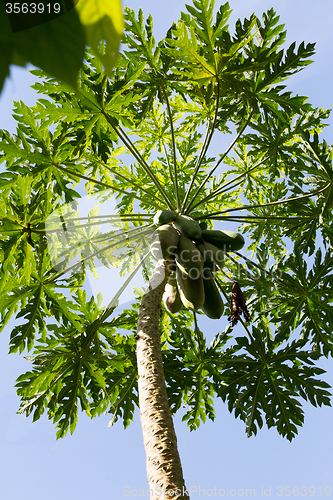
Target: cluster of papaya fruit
{"points": [[196, 253]]}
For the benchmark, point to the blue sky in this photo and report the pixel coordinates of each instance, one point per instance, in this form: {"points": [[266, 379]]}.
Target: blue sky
{"points": [[103, 462]]}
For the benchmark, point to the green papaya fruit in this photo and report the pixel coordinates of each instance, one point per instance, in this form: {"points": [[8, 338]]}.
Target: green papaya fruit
{"points": [[203, 226], [213, 306], [164, 217], [191, 291], [210, 265], [211, 255], [188, 258], [228, 241], [171, 297], [164, 242], [188, 227]]}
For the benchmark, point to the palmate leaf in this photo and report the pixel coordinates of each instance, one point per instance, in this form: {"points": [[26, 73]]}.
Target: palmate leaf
{"points": [[304, 231], [203, 53], [257, 388], [142, 51], [20, 243], [56, 45], [276, 133], [199, 401], [102, 21], [257, 382], [274, 99], [67, 376], [289, 296], [37, 302], [188, 49], [142, 40], [34, 159], [23, 336], [270, 35], [305, 300], [287, 64], [11, 298], [186, 372], [121, 382], [85, 110], [201, 17], [319, 167], [56, 384]]}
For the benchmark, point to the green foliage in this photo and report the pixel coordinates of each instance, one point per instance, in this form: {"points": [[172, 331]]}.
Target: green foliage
{"points": [[271, 385], [137, 139], [258, 381], [54, 38], [76, 365]]}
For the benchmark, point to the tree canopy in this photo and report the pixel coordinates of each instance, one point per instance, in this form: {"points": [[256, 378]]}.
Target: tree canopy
{"points": [[144, 134]]}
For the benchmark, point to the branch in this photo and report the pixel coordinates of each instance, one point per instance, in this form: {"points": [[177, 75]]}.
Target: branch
{"points": [[173, 146], [108, 310], [108, 186], [167, 160], [73, 227], [151, 195], [245, 207], [223, 188], [137, 155], [207, 140], [256, 217], [197, 336], [219, 161], [269, 273], [117, 243]]}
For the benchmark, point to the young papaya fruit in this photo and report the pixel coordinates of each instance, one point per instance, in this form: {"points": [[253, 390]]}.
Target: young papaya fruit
{"points": [[211, 255], [171, 297], [203, 225], [210, 265], [188, 227], [213, 306], [191, 291], [188, 258], [228, 241], [164, 217], [164, 242]]}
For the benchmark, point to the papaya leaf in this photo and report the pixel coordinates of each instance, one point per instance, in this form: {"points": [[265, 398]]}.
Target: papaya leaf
{"points": [[102, 20], [56, 45], [273, 388]]}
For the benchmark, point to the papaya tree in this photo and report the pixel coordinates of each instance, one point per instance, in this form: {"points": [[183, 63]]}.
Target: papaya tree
{"points": [[143, 138]]}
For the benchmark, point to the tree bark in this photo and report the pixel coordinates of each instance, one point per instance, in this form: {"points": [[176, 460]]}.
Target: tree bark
{"points": [[164, 470]]}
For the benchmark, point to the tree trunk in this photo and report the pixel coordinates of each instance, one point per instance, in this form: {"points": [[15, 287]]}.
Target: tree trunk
{"points": [[164, 468]]}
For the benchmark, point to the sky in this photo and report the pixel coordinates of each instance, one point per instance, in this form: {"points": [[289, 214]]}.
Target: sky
{"points": [[218, 459]]}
